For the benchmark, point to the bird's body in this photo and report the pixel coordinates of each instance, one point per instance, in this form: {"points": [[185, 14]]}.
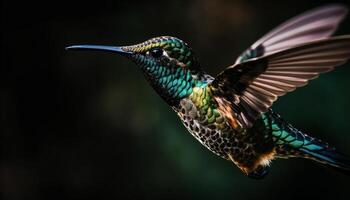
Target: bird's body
{"points": [[251, 149], [203, 118], [230, 114]]}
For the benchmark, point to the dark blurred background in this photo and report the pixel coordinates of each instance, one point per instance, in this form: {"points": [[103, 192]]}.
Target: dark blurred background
{"points": [[86, 125]]}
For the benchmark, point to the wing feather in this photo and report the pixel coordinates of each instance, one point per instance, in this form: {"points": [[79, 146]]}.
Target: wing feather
{"points": [[316, 24], [259, 82]]}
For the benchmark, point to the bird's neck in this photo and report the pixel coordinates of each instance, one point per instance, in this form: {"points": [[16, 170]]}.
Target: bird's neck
{"points": [[176, 84]]}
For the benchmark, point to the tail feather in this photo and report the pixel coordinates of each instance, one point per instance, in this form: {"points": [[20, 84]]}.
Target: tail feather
{"points": [[294, 143], [330, 157]]}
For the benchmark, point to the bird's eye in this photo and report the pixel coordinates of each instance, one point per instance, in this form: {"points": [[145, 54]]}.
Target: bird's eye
{"points": [[156, 53]]}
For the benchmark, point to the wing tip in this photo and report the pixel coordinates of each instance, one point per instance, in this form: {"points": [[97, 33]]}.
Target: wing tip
{"points": [[340, 7]]}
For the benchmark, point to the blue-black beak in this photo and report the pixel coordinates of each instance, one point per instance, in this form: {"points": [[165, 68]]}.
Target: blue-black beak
{"points": [[112, 49]]}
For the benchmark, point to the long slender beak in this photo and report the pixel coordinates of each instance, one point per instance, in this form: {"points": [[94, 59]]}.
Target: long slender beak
{"points": [[113, 49]]}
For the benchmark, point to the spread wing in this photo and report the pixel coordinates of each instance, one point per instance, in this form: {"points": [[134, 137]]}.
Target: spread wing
{"points": [[313, 25], [250, 88]]}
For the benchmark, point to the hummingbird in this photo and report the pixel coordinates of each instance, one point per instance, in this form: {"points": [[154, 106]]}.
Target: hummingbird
{"points": [[230, 113]]}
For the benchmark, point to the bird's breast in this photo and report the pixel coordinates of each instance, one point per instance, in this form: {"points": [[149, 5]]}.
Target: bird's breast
{"points": [[206, 122]]}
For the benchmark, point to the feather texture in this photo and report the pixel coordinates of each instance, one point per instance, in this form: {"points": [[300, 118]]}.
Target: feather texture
{"points": [[316, 24], [259, 82]]}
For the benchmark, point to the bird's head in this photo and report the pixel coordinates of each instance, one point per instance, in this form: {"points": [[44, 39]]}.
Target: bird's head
{"points": [[167, 62]]}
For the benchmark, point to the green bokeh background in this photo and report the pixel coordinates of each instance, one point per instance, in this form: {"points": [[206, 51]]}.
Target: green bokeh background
{"points": [[86, 125]]}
